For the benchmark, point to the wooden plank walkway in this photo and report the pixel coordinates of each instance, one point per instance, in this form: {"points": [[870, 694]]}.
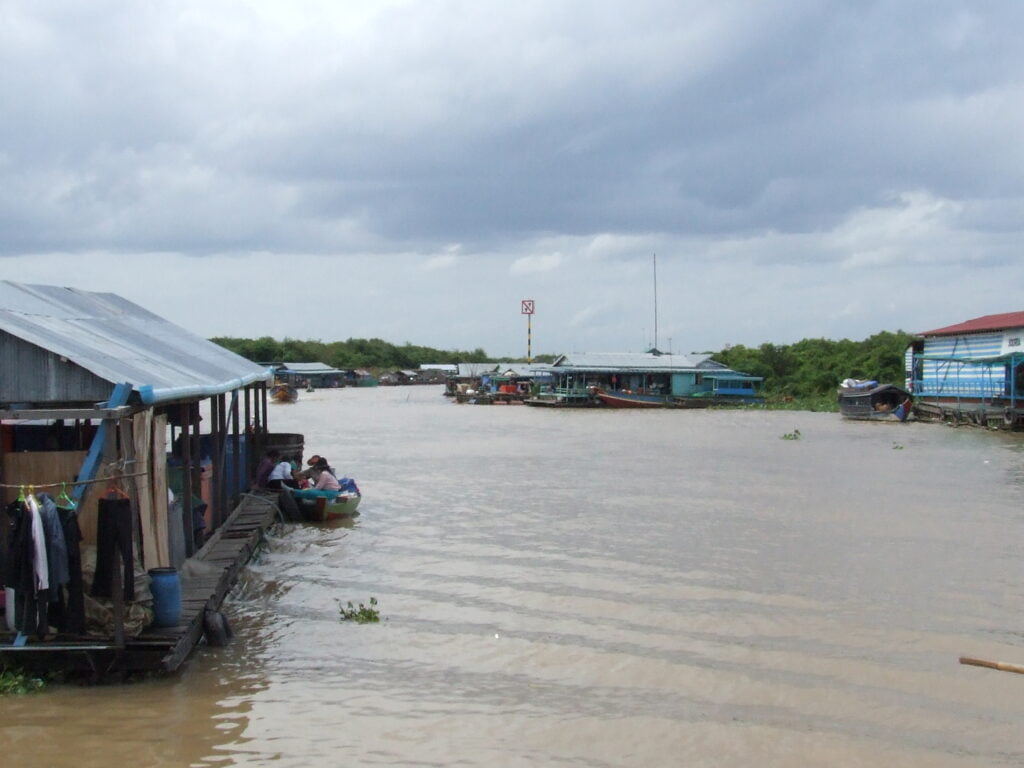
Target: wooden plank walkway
{"points": [[206, 579]]}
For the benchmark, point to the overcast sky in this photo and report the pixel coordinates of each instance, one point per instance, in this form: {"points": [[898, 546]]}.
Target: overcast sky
{"points": [[413, 170]]}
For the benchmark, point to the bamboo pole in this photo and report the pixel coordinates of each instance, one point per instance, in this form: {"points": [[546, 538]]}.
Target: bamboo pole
{"points": [[1000, 665]]}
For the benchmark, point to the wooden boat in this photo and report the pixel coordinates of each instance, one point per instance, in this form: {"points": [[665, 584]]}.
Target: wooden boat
{"points": [[322, 506], [871, 401], [284, 393], [626, 399]]}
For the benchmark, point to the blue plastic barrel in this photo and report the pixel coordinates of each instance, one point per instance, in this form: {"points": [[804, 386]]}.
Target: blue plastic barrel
{"points": [[165, 585]]}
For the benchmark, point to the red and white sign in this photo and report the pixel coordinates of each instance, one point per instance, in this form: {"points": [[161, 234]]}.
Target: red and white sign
{"points": [[527, 307]]}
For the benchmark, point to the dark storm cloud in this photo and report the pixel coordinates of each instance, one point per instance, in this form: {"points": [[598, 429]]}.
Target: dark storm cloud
{"points": [[202, 130]]}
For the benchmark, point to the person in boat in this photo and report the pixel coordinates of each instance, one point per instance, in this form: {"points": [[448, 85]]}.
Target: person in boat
{"points": [[263, 469], [325, 479], [282, 475]]}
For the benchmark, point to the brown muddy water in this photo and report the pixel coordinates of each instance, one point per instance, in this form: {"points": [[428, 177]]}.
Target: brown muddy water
{"points": [[601, 588]]}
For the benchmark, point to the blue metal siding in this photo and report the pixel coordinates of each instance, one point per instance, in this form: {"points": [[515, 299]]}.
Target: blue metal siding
{"points": [[946, 378], [684, 383]]}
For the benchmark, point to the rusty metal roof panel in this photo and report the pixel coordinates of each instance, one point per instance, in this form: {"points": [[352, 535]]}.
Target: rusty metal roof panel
{"points": [[118, 341]]}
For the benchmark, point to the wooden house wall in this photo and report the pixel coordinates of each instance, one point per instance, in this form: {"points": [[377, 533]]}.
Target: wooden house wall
{"points": [[943, 378], [32, 374]]}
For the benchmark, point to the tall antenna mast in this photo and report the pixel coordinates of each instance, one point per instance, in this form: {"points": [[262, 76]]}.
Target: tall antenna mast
{"points": [[655, 300]]}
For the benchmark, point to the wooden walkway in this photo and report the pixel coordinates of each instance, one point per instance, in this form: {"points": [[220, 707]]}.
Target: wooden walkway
{"points": [[206, 579]]}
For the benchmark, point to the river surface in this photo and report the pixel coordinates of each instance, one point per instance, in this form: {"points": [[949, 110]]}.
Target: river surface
{"points": [[601, 588]]}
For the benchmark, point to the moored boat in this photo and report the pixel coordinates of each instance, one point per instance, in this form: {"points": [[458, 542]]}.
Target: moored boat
{"points": [[627, 399], [323, 506], [870, 401]]}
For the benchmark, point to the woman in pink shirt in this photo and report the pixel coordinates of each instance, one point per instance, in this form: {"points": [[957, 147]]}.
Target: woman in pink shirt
{"points": [[325, 481]]}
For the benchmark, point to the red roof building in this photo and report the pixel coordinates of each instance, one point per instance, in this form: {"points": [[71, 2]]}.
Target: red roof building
{"points": [[981, 325]]}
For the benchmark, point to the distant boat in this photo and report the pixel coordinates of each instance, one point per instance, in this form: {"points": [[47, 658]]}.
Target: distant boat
{"points": [[284, 393], [870, 401]]}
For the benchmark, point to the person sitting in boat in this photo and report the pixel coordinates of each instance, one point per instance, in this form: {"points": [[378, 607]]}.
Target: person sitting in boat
{"points": [[282, 475], [263, 469], [325, 479]]}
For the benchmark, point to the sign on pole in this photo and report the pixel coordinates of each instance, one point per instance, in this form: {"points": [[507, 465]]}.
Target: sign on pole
{"points": [[527, 309]]}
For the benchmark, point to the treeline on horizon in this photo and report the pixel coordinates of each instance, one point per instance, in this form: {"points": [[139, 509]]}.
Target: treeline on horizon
{"points": [[371, 354], [807, 370]]}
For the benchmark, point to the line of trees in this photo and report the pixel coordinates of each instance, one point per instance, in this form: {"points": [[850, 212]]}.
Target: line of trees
{"points": [[353, 353], [810, 369], [813, 368]]}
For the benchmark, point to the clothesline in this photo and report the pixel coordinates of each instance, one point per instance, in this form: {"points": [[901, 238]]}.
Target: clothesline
{"points": [[73, 482]]}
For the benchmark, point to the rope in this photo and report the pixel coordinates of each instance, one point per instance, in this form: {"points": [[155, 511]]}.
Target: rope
{"points": [[73, 482]]}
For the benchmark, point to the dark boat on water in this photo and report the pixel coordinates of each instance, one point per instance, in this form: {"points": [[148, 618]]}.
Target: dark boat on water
{"points": [[871, 401]]}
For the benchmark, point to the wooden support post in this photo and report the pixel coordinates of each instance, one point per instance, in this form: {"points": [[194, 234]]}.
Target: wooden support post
{"points": [[263, 402], [186, 478], [216, 476], [197, 462], [222, 448], [157, 449], [92, 459], [237, 465]]}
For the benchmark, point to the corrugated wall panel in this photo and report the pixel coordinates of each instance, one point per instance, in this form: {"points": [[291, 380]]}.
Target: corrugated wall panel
{"points": [[29, 374], [940, 378]]}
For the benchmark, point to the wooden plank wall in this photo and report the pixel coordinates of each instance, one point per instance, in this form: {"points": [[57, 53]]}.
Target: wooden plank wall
{"points": [[43, 467]]}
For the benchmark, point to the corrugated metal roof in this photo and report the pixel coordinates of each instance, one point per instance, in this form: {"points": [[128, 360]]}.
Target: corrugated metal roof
{"points": [[981, 324], [307, 368], [635, 361], [119, 341], [476, 369]]}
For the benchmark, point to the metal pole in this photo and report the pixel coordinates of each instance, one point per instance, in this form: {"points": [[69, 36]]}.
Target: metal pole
{"points": [[529, 338]]}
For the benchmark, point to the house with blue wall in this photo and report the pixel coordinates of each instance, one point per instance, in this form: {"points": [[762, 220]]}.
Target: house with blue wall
{"points": [[648, 379], [971, 372]]}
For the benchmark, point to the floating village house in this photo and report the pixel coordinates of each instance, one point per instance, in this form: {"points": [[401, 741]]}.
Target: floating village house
{"points": [[646, 378], [468, 376], [318, 375], [102, 400], [970, 372]]}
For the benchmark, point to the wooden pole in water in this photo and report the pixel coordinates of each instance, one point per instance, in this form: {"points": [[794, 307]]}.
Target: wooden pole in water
{"points": [[1000, 665]]}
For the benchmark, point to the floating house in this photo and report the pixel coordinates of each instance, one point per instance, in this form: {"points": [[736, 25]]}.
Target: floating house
{"points": [[503, 386], [467, 377], [646, 379], [105, 408], [318, 375], [360, 377], [971, 372]]}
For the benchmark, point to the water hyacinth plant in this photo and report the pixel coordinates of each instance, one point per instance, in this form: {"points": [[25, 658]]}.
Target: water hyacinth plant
{"points": [[362, 614]]}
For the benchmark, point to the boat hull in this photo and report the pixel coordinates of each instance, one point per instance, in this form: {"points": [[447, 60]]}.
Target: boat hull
{"points": [[322, 510], [885, 402], [635, 400]]}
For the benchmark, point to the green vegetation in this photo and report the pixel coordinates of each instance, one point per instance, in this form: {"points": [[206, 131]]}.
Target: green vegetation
{"points": [[362, 614], [14, 682], [805, 375], [794, 435], [353, 353]]}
